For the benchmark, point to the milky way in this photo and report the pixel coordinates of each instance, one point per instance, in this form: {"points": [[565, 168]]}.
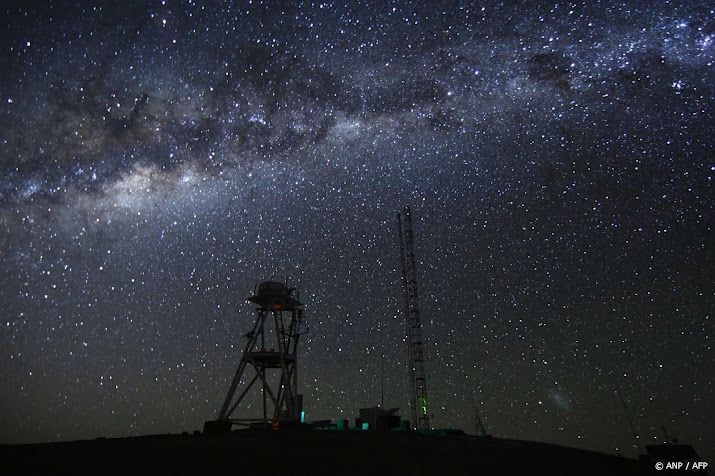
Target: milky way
{"points": [[160, 158]]}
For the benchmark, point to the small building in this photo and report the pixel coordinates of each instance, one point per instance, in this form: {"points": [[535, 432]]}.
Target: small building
{"points": [[378, 419]]}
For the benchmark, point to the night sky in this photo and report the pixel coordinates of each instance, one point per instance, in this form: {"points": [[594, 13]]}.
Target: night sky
{"points": [[157, 159]]}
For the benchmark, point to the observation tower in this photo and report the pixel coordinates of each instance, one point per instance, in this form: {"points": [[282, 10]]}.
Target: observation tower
{"points": [[269, 364]]}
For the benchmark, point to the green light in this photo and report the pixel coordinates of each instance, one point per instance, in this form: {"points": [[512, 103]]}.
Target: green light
{"points": [[365, 426], [302, 416]]}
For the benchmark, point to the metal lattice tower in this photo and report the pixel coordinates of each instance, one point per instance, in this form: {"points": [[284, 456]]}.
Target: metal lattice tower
{"points": [[418, 381], [281, 401]]}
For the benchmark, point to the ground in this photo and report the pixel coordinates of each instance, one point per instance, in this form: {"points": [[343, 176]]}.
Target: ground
{"points": [[309, 453]]}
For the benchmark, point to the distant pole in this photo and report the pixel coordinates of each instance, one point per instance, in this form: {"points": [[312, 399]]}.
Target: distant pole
{"points": [[665, 434], [628, 417], [479, 428], [382, 381]]}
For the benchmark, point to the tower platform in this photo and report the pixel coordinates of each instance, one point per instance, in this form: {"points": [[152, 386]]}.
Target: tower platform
{"points": [[270, 359]]}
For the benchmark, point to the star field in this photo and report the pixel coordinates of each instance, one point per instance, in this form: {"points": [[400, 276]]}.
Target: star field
{"points": [[159, 158]]}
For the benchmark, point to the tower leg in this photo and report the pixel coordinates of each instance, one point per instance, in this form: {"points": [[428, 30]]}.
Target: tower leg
{"points": [[253, 336]]}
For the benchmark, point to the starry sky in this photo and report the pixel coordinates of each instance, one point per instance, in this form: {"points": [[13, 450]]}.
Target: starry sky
{"points": [[158, 158]]}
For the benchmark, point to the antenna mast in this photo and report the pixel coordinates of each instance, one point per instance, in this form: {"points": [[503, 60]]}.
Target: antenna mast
{"points": [[382, 381], [479, 427], [418, 383], [628, 417]]}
